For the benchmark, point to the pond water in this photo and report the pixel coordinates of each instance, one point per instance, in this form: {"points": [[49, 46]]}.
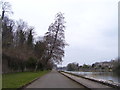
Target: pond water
{"points": [[100, 75]]}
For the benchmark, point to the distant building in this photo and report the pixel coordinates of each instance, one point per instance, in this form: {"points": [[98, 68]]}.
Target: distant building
{"points": [[105, 65]]}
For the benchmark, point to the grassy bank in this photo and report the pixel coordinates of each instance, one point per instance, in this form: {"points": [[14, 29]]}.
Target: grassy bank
{"points": [[16, 80]]}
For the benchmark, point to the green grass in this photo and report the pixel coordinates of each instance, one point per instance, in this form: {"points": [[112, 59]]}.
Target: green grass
{"points": [[16, 80], [0, 81]]}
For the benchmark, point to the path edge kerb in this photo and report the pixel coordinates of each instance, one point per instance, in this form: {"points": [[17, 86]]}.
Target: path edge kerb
{"points": [[75, 81], [25, 85], [113, 86]]}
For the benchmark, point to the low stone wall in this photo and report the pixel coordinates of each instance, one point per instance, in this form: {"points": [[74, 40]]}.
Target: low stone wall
{"points": [[109, 83]]}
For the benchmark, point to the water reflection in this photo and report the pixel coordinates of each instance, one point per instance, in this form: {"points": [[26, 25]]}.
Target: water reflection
{"points": [[101, 75]]}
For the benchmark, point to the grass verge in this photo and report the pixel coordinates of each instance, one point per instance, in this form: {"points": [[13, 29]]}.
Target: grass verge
{"points": [[16, 80]]}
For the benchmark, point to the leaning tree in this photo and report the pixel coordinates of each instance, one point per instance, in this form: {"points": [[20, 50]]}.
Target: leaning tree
{"points": [[55, 40]]}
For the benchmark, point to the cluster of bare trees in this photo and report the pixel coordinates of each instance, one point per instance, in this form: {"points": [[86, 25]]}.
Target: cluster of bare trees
{"points": [[20, 51]]}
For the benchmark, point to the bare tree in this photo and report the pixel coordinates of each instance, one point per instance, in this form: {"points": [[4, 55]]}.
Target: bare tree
{"points": [[54, 40], [40, 52], [30, 38], [6, 7], [7, 32]]}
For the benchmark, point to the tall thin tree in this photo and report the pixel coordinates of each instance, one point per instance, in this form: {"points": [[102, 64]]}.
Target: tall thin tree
{"points": [[55, 40]]}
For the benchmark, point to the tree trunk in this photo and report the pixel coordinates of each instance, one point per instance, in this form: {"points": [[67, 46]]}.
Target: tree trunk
{"points": [[36, 66], [3, 12], [51, 51]]}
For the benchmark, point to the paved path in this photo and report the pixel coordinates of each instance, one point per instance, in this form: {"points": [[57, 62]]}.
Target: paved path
{"points": [[54, 80]]}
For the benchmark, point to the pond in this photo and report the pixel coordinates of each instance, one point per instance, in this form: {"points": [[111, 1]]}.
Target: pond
{"points": [[100, 75]]}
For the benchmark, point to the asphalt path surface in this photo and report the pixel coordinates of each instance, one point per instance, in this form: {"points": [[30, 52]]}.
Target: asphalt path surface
{"points": [[54, 80]]}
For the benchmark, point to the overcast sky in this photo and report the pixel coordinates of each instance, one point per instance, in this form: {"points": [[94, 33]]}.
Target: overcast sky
{"points": [[91, 26]]}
